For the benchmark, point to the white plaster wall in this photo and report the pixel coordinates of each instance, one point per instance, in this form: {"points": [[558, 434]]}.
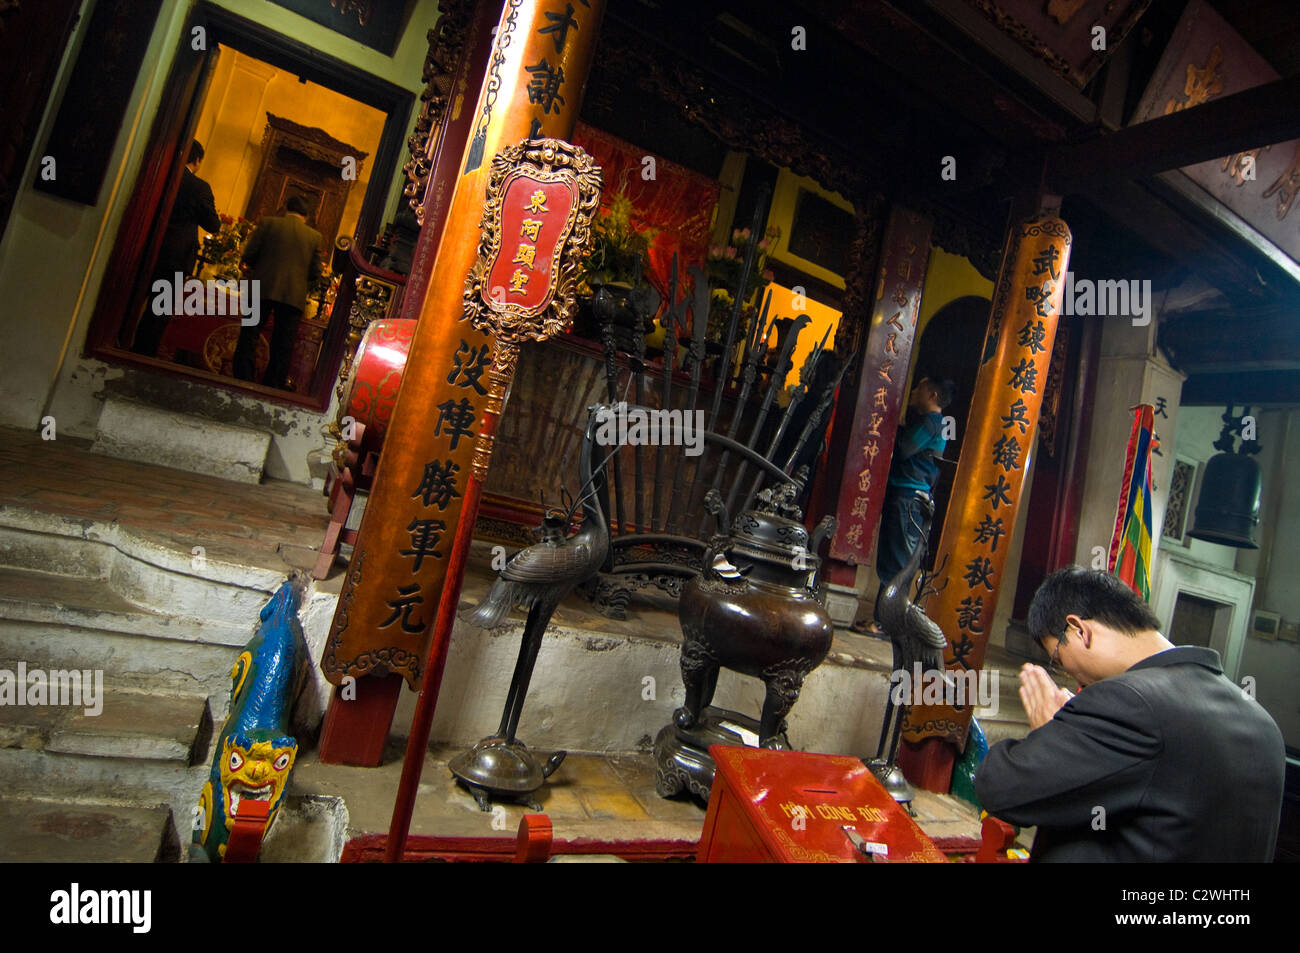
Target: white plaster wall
{"points": [[589, 693], [54, 253], [1275, 664]]}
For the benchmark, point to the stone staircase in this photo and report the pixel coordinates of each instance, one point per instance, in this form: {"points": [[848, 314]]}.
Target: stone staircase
{"points": [[116, 777]]}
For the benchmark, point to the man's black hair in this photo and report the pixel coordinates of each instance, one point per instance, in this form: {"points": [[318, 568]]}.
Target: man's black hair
{"points": [[298, 205], [1089, 594], [196, 152], [945, 391]]}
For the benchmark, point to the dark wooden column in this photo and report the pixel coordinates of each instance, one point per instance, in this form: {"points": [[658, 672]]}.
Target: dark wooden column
{"points": [[877, 408], [447, 105]]}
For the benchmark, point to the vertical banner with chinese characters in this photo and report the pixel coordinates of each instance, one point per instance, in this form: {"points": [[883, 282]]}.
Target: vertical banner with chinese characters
{"points": [[904, 256], [536, 71], [995, 454], [541, 197]]}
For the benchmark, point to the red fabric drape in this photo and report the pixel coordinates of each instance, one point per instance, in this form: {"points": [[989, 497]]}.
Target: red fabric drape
{"points": [[677, 202]]}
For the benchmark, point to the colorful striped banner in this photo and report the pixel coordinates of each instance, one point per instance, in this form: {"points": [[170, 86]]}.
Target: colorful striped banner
{"points": [[1130, 546]]}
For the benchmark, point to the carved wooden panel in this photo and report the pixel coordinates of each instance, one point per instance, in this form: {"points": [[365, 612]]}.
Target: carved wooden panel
{"points": [[307, 162]]}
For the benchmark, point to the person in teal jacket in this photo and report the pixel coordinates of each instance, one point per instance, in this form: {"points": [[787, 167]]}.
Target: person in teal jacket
{"points": [[913, 472]]}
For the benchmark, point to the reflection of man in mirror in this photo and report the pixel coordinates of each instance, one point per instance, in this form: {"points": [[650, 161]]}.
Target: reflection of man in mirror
{"points": [[194, 208], [284, 256]]}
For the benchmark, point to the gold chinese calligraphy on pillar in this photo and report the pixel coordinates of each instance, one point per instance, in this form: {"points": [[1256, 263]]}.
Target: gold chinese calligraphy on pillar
{"points": [[457, 372], [990, 476]]}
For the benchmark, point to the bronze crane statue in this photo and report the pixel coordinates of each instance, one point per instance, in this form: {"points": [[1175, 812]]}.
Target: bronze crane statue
{"points": [[915, 638], [536, 579]]}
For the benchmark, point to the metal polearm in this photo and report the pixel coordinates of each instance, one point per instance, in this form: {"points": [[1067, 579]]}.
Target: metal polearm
{"points": [[600, 302], [695, 353], [775, 384], [636, 367], [665, 397], [737, 306], [807, 374], [815, 420], [738, 302], [753, 347]]}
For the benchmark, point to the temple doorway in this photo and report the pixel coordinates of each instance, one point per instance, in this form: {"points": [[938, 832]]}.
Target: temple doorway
{"points": [[949, 347], [275, 123]]}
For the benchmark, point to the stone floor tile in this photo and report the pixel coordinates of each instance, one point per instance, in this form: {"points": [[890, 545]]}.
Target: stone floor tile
{"points": [[611, 805]]}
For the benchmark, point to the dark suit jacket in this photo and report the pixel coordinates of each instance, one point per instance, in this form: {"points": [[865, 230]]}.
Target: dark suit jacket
{"points": [[285, 256], [194, 208], [1186, 767]]}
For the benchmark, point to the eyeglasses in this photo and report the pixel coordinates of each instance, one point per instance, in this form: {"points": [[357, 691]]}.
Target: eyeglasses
{"points": [[1054, 657]]}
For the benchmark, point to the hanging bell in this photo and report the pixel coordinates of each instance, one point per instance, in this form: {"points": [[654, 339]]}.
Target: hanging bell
{"points": [[1227, 511]]}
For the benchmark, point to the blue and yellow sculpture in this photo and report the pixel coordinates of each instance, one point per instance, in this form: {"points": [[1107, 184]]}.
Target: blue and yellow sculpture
{"points": [[255, 752]]}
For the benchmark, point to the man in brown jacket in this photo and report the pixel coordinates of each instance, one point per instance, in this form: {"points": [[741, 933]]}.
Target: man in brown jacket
{"points": [[284, 256]]}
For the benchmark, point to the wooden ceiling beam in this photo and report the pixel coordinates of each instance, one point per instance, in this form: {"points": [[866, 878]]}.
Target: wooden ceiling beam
{"points": [[1133, 207], [1260, 116], [1252, 387]]}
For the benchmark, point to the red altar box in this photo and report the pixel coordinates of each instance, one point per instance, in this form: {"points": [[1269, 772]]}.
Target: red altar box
{"points": [[789, 807]]}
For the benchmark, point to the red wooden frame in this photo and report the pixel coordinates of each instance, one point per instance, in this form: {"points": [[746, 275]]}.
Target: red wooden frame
{"points": [[369, 848]]}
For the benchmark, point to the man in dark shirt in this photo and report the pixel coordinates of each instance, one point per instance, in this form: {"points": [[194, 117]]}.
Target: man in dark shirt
{"points": [[1157, 758], [194, 208], [913, 472]]}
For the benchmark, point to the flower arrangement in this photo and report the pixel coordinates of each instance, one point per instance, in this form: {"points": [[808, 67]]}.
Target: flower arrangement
{"points": [[223, 249], [616, 245], [724, 267]]}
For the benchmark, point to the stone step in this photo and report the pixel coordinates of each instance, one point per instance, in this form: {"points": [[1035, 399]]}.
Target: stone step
{"points": [[99, 779], [127, 661], [37, 830], [36, 596], [57, 622], [159, 577], [131, 430], [135, 724]]}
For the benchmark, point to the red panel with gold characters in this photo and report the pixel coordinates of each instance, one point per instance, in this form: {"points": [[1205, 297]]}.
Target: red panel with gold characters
{"points": [[1000, 434], [904, 255], [789, 807], [534, 217]]}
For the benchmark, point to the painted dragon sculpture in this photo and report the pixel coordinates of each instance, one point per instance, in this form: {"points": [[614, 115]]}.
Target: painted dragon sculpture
{"points": [[255, 752]]}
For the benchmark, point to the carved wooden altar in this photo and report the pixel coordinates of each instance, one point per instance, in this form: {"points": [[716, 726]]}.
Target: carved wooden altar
{"points": [[307, 162]]}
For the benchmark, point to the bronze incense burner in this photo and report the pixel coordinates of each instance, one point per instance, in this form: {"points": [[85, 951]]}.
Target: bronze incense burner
{"points": [[755, 610]]}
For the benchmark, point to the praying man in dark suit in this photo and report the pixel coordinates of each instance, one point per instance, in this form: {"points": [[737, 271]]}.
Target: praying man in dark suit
{"points": [[1158, 758], [284, 256]]}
